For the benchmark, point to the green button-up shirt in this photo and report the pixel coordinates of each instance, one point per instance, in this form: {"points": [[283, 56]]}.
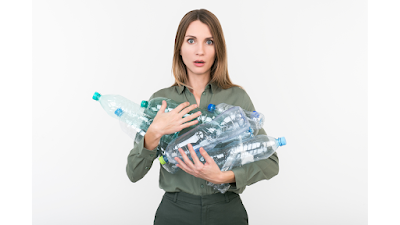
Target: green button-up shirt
{"points": [[141, 159]]}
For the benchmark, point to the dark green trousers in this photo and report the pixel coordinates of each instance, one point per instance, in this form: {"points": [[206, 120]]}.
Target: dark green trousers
{"points": [[186, 209]]}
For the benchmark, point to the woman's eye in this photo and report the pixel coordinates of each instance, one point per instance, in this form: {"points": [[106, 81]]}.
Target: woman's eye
{"points": [[191, 41], [210, 42]]}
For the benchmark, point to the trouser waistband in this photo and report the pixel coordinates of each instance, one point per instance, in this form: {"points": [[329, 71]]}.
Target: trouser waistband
{"points": [[201, 199]]}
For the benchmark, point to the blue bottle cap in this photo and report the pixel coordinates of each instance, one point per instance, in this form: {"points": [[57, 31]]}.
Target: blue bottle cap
{"points": [[119, 112], [144, 104], [96, 96], [211, 108], [282, 141], [254, 114], [251, 130]]}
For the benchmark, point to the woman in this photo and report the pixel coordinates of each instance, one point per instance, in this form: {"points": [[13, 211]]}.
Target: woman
{"points": [[201, 78]]}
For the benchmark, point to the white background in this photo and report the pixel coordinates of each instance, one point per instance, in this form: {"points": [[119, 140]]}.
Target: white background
{"points": [[309, 62]]}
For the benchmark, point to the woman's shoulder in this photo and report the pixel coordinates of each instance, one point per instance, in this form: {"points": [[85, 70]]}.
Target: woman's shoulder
{"points": [[235, 90]]}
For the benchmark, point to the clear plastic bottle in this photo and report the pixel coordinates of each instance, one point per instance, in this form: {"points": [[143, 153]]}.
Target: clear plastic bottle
{"points": [[229, 126], [137, 119], [255, 118], [235, 154], [111, 103], [242, 152], [154, 106]]}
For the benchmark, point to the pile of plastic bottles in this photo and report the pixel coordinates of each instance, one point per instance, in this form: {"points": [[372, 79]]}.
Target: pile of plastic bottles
{"points": [[226, 132]]}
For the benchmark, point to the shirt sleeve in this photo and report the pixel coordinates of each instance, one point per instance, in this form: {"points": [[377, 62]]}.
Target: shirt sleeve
{"points": [[140, 160], [253, 172]]}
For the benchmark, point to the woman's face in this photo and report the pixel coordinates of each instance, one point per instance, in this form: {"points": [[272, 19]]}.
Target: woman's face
{"points": [[198, 45]]}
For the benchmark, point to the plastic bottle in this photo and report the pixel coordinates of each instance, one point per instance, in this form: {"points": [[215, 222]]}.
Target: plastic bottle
{"points": [[137, 119], [132, 125], [154, 106], [111, 103], [229, 126], [235, 154], [255, 118], [239, 153]]}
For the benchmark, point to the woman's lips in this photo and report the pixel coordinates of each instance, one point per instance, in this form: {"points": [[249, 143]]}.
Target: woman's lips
{"points": [[199, 64]]}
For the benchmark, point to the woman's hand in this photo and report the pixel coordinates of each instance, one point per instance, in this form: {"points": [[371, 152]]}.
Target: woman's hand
{"points": [[208, 171], [173, 121]]}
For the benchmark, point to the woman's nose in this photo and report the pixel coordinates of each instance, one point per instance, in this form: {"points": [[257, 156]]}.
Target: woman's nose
{"points": [[200, 50]]}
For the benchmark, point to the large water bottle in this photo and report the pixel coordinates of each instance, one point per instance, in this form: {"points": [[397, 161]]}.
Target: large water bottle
{"points": [[116, 105], [229, 126], [242, 152], [137, 119], [255, 118], [236, 154], [154, 106]]}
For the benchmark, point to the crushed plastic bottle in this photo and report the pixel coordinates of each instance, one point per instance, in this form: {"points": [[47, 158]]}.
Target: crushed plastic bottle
{"points": [[229, 126], [242, 152], [255, 118]]}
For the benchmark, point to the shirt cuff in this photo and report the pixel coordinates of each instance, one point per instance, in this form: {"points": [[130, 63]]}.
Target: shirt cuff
{"points": [[146, 153], [240, 178]]}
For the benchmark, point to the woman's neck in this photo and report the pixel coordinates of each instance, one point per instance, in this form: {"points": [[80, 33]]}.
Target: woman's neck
{"points": [[198, 83]]}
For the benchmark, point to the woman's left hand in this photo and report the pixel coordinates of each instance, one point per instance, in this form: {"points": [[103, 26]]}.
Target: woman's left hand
{"points": [[208, 171]]}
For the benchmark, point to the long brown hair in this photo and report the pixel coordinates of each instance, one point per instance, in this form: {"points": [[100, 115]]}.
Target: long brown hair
{"points": [[219, 70]]}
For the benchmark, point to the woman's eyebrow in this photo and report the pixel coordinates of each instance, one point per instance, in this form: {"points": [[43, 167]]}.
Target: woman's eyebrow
{"points": [[195, 36]]}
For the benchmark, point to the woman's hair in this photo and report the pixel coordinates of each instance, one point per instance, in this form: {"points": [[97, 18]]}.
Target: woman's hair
{"points": [[219, 70]]}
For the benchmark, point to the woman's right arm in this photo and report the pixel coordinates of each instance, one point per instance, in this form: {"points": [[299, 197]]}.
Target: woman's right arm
{"points": [[141, 157]]}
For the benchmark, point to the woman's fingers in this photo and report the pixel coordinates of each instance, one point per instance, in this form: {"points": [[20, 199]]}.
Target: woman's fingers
{"points": [[191, 117], [173, 121], [187, 110], [186, 159], [186, 125], [180, 107], [194, 155], [206, 156], [163, 107]]}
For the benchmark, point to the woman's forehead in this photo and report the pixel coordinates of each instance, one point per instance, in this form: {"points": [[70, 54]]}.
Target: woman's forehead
{"points": [[198, 29]]}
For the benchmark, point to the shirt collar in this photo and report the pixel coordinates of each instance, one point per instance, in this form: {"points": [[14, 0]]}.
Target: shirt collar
{"points": [[213, 87]]}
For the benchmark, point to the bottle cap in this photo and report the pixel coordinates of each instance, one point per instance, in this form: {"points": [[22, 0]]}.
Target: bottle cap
{"points": [[251, 131], [211, 108], [162, 161], [96, 96], [119, 112], [254, 114], [282, 141], [144, 104]]}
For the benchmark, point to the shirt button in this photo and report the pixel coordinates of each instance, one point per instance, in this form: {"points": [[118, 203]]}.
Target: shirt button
{"points": [[204, 93], [147, 168], [202, 186], [151, 155]]}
